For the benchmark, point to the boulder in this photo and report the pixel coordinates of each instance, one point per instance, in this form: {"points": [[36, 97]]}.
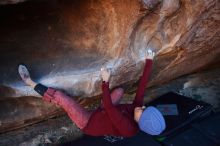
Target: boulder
{"points": [[65, 43]]}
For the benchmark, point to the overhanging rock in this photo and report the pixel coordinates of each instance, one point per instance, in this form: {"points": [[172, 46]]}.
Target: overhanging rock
{"points": [[65, 43]]}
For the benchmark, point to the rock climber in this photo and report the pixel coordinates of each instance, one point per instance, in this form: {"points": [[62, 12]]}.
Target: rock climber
{"points": [[111, 118]]}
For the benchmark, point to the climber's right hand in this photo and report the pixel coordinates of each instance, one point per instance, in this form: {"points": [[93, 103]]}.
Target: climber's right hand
{"points": [[105, 74]]}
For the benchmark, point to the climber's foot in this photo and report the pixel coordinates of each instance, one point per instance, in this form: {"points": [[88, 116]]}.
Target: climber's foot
{"points": [[25, 76]]}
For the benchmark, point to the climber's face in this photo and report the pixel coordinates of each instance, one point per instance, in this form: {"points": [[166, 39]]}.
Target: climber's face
{"points": [[138, 112]]}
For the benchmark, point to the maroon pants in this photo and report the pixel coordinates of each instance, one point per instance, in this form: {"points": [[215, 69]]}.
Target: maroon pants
{"points": [[79, 115]]}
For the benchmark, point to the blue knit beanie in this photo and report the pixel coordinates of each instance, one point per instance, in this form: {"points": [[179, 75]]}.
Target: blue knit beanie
{"points": [[152, 121]]}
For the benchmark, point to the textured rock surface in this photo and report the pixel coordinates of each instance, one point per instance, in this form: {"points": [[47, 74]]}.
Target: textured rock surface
{"points": [[49, 133], [65, 43], [16, 113], [4, 2]]}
